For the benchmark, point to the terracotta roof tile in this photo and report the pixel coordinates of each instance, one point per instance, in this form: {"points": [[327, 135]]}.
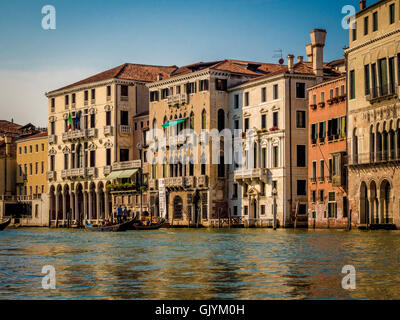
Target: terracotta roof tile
{"points": [[37, 135]]}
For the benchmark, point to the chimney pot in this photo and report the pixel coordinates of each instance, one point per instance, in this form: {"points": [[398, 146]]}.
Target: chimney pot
{"points": [[318, 37], [290, 58], [363, 4], [300, 59]]}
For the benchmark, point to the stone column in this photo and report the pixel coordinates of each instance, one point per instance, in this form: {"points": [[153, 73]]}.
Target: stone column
{"points": [[76, 207], [106, 205], [57, 205], [90, 205], [71, 205], [98, 207], [64, 207], [85, 203]]}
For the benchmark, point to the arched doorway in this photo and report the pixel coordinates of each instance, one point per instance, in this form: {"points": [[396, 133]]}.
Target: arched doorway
{"points": [[178, 207], [79, 210], [385, 203], [364, 211], [52, 199], [221, 119], [254, 205], [374, 206]]}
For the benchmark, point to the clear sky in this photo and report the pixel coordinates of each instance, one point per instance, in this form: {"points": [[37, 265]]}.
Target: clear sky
{"points": [[92, 36]]}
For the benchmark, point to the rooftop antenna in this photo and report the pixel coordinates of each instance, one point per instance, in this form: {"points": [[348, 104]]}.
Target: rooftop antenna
{"points": [[279, 54]]}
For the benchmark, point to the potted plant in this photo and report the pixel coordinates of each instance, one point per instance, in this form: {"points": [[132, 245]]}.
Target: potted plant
{"points": [[313, 106], [273, 128], [330, 101], [321, 104]]}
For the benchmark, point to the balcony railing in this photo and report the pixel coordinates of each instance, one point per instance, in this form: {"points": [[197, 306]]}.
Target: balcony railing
{"points": [[177, 99], [52, 139], [91, 133], [251, 174], [108, 130], [202, 181], [107, 170], [190, 182], [73, 173], [124, 129], [373, 157], [126, 165], [174, 182], [51, 176], [124, 98], [90, 172], [79, 134], [381, 92]]}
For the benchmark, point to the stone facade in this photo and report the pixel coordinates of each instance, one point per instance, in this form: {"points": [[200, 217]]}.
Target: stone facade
{"points": [[373, 115]]}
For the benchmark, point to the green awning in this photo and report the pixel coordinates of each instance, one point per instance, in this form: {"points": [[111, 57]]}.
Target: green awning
{"points": [[173, 123], [121, 174]]}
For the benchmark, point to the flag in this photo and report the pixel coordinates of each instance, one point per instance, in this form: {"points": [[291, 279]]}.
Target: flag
{"points": [[69, 122]]}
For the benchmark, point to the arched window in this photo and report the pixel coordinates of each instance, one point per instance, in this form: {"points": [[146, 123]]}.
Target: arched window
{"points": [[221, 119], [191, 121], [178, 206], [204, 120], [355, 146], [81, 159], [154, 127]]}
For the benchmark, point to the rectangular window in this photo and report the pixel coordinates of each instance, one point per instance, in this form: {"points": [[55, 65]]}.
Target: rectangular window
{"points": [[322, 96], [191, 87], [123, 155], [124, 91], [108, 118], [375, 21], [301, 156], [86, 95], [276, 93], [322, 170], [108, 91], [366, 79], [314, 171], [52, 163], [93, 94], [203, 169], [366, 23], [235, 191], [301, 187], [276, 156], [42, 168], [354, 31], [332, 206], [66, 162], [391, 75], [92, 121], [66, 100], [314, 196], [53, 103], [263, 121], [300, 90], [314, 133], [300, 119], [108, 157], [92, 158], [246, 99], [124, 118], [263, 210], [246, 210], [236, 102], [263, 94], [203, 85], [391, 13], [382, 76], [264, 157], [321, 196], [275, 119], [374, 80], [352, 85], [330, 168], [221, 84], [154, 96], [236, 124], [246, 124], [322, 131]]}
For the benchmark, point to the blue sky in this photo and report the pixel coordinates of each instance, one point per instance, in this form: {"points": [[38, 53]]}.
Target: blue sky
{"points": [[92, 36]]}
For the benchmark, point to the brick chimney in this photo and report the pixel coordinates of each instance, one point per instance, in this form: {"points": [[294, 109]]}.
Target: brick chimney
{"points": [[318, 37], [309, 52], [290, 59], [363, 4]]}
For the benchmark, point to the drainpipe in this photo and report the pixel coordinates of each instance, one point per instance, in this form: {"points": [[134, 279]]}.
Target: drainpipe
{"points": [[290, 149]]}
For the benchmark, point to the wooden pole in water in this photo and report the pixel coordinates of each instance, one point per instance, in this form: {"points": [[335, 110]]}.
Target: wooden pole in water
{"points": [[229, 218]]}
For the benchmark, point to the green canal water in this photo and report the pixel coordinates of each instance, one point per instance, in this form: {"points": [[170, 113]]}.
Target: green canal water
{"points": [[199, 264]]}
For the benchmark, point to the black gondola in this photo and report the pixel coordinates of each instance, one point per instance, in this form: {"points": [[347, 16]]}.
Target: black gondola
{"points": [[110, 228], [4, 223], [151, 226]]}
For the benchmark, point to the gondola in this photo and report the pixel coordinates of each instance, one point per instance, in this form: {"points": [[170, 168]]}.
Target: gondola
{"points": [[4, 223], [112, 228], [152, 226]]}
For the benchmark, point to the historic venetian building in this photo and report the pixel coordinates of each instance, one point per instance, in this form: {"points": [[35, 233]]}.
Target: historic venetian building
{"points": [[91, 137], [373, 59], [194, 97], [274, 115]]}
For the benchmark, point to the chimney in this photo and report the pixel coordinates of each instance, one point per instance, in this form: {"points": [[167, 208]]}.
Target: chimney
{"points": [[300, 59], [318, 37], [8, 141], [363, 4], [309, 52], [290, 59]]}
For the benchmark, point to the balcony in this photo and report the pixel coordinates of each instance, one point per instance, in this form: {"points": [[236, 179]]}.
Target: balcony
{"points": [[377, 94], [73, 173], [202, 181], [190, 182], [174, 183], [321, 179], [177, 99], [91, 133], [124, 130], [107, 170], [52, 139], [153, 184], [73, 135], [51, 176], [373, 158], [90, 172], [21, 179], [124, 98], [313, 180], [259, 174], [108, 130], [126, 165]]}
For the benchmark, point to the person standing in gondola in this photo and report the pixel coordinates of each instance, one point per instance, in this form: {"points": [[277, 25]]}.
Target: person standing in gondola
{"points": [[125, 214], [119, 214]]}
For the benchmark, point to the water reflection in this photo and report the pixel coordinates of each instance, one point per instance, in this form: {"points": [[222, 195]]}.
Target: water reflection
{"points": [[199, 264]]}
